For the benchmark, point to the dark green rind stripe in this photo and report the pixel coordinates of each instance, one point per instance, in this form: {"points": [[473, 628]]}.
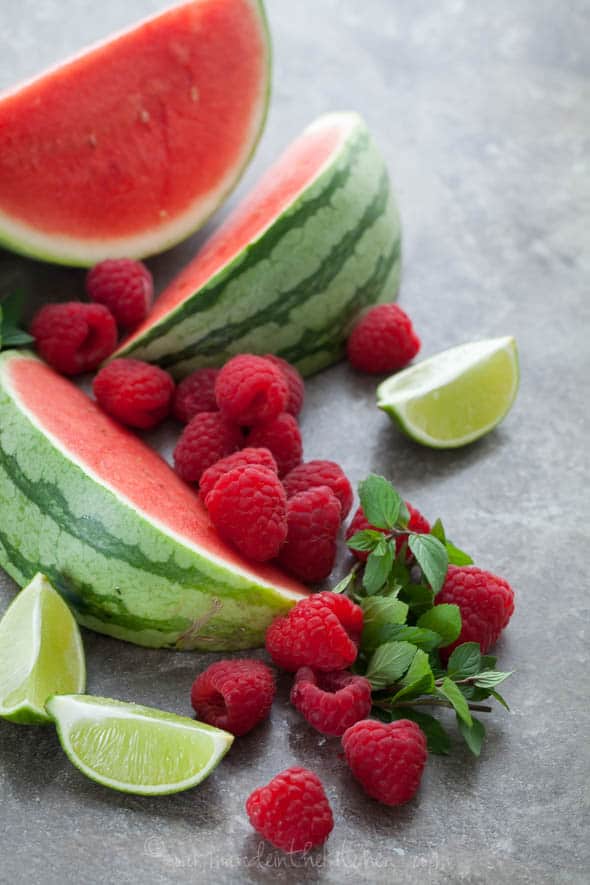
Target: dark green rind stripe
{"points": [[279, 313], [256, 253]]}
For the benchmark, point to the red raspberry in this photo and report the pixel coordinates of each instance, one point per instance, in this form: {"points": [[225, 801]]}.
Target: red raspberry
{"points": [[320, 473], [74, 337], [243, 458], [486, 603], [206, 439], [292, 811], [331, 702], [313, 522], [194, 394], [387, 759], [248, 507], [294, 382], [234, 695], [282, 436], [125, 287], [134, 392], [383, 340], [322, 631], [250, 389], [360, 523]]}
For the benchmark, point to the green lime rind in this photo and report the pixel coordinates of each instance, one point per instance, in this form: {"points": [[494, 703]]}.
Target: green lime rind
{"points": [[41, 653], [135, 749], [456, 396]]}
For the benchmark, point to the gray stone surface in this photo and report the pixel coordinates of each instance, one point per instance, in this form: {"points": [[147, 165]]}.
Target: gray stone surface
{"points": [[482, 110]]}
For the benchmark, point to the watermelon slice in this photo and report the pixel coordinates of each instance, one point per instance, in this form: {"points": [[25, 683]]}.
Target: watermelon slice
{"points": [[317, 241], [127, 544], [129, 147]]}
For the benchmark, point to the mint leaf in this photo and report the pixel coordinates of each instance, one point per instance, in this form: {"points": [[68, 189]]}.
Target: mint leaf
{"points": [[464, 661], [378, 567], [15, 338], [389, 663], [432, 558], [12, 308], [346, 581], [457, 556], [499, 698], [444, 619], [424, 639], [472, 735], [365, 540], [437, 739], [452, 693], [491, 678], [380, 612], [438, 531], [404, 514], [418, 680], [380, 501], [418, 596], [488, 662]]}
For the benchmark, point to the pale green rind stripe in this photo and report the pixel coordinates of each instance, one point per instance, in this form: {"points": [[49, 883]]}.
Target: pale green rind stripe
{"points": [[298, 288], [119, 573]]}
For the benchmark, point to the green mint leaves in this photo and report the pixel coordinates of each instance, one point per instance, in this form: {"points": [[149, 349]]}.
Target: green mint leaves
{"points": [[404, 630], [10, 314]]}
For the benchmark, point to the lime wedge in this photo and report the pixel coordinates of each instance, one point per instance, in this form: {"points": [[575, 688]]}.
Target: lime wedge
{"points": [[456, 396], [41, 653], [136, 749]]}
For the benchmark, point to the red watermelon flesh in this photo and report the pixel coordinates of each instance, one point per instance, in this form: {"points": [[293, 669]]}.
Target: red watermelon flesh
{"points": [[130, 146], [282, 183], [119, 460]]}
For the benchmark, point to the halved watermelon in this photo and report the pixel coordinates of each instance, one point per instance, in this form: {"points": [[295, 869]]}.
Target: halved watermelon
{"points": [[316, 241], [128, 147], [127, 544]]}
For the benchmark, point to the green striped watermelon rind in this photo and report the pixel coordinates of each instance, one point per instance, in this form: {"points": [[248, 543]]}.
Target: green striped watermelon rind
{"points": [[127, 578], [249, 307], [85, 256]]}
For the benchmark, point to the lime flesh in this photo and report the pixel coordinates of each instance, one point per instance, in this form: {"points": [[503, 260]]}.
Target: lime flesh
{"points": [[136, 749], [41, 653], [456, 396]]}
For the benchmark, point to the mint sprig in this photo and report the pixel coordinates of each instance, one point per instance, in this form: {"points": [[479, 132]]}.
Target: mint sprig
{"points": [[10, 315], [404, 630]]}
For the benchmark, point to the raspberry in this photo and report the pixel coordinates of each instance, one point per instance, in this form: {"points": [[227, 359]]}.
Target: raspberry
{"points": [[248, 507], [383, 340], [134, 392], [387, 759], [234, 695], [331, 702], [294, 383], [282, 436], [74, 337], [250, 389], [486, 603], [206, 439], [261, 457], [292, 811], [313, 521], [322, 631], [125, 287], [360, 523], [194, 394], [320, 473]]}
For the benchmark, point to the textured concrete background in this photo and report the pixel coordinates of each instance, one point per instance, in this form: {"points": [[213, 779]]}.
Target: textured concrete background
{"points": [[482, 110]]}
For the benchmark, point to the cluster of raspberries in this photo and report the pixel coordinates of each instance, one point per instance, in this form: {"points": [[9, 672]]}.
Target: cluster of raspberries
{"points": [[242, 447], [318, 641]]}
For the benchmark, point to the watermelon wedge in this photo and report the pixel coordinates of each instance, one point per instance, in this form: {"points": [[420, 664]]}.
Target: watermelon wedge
{"points": [[316, 241], [130, 146], [126, 543]]}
